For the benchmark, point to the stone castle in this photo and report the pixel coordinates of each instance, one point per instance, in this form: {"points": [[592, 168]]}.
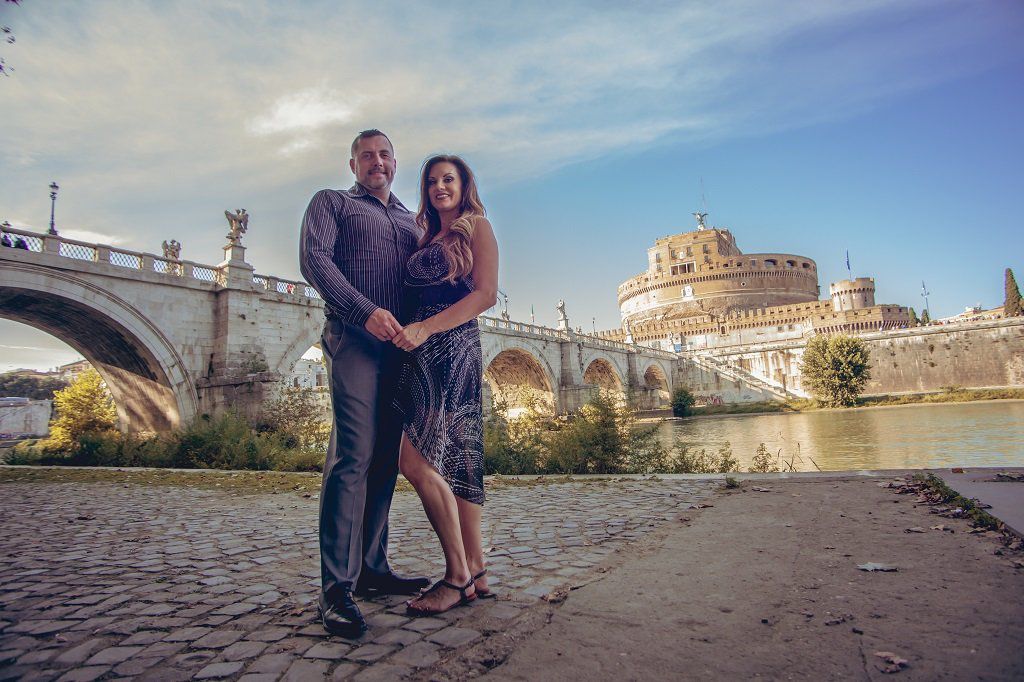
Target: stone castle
{"points": [[701, 292]]}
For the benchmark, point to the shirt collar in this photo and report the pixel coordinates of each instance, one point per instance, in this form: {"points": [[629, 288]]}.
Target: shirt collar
{"points": [[358, 190]]}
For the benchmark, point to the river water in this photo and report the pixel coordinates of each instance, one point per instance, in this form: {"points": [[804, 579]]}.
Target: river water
{"points": [[903, 437]]}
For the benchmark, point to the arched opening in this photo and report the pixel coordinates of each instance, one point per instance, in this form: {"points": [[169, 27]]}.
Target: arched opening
{"points": [[310, 372], [517, 379], [656, 382], [144, 373], [601, 373]]}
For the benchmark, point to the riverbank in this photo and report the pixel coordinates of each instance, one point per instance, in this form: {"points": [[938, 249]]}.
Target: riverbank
{"points": [[952, 395]]}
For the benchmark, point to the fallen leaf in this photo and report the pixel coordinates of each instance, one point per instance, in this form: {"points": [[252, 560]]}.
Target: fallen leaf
{"points": [[556, 597], [943, 528], [872, 566], [700, 505], [892, 662], [915, 529], [761, 490]]}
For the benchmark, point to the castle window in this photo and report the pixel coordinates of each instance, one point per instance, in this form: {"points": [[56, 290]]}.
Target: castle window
{"points": [[706, 249], [791, 264], [753, 263], [807, 266], [770, 263], [689, 250]]}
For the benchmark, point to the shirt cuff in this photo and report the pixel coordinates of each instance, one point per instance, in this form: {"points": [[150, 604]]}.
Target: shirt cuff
{"points": [[361, 311]]}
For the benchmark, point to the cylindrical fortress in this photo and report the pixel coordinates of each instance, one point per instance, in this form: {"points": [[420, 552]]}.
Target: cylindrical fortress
{"points": [[704, 273], [853, 294]]}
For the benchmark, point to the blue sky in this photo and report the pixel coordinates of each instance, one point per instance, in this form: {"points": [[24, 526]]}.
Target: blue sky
{"points": [[892, 129]]}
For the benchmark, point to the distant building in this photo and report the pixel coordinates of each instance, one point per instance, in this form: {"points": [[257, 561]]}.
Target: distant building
{"points": [[22, 418], [70, 371], [308, 374], [701, 291]]}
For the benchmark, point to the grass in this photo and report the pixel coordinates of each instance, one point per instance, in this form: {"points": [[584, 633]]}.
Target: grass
{"points": [[946, 495]]}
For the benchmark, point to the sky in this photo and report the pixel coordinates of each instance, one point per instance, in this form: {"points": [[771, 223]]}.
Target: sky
{"points": [[891, 129]]}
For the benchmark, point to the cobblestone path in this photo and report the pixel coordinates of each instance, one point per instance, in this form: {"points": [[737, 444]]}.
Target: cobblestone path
{"points": [[102, 580]]}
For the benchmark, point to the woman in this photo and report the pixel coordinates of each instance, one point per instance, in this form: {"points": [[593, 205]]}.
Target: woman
{"points": [[451, 279]]}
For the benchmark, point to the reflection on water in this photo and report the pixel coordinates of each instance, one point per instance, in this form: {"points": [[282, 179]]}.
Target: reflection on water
{"points": [[904, 437]]}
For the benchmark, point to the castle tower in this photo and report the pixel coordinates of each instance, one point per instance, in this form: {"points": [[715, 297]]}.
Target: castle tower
{"points": [[853, 294]]}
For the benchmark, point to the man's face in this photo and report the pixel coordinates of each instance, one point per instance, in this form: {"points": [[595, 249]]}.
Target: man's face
{"points": [[374, 163]]}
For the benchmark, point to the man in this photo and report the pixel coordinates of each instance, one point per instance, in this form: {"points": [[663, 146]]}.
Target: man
{"points": [[353, 250]]}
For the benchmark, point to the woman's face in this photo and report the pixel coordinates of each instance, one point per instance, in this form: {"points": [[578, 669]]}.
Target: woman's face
{"points": [[444, 187]]}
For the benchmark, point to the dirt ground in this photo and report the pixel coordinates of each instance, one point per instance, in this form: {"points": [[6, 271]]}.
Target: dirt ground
{"points": [[766, 585]]}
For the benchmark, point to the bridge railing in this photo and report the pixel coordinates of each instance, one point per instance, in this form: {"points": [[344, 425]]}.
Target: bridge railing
{"points": [[140, 260], [284, 286], [522, 327], [586, 339]]}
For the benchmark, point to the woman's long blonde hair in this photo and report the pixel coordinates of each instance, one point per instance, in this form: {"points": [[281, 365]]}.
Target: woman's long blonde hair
{"points": [[456, 243]]}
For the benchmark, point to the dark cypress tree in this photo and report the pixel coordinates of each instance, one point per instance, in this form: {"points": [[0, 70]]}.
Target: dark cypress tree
{"points": [[925, 317], [1011, 304], [914, 322]]}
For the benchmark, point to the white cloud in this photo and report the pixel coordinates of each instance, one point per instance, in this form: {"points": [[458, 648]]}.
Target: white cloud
{"points": [[304, 111], [155, 117]]}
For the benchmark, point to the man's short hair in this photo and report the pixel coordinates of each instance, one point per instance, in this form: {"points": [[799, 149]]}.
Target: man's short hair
{"points": [[372, 132]]}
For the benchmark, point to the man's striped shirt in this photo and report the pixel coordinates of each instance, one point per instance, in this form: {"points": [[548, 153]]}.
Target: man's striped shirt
{"points": [[353, 250]]}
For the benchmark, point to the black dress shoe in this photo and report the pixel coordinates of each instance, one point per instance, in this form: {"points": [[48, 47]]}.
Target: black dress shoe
{"points": [[342, 616], [389, 583]]}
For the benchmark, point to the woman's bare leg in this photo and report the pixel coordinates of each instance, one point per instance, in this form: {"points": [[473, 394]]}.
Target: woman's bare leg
{"points": [[443, 512], [472, 538]]}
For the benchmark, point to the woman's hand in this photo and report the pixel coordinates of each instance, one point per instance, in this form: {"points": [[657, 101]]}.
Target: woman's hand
{"points": [[411, 337]]}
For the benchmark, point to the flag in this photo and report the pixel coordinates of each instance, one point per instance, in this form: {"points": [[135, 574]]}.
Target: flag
{"points": [[847, 259]]}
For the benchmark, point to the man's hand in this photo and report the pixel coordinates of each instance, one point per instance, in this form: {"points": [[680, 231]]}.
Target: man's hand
{"points": [[382, 324], [411, 337]]}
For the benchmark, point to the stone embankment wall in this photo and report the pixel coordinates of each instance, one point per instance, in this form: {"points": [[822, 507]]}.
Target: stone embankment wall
{"points": [[981, 354], [968, 354]]}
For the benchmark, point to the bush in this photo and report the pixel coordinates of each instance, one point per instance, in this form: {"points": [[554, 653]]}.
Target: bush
{"points": [[513, 446], [603, 438], [836, 369], [700, 462], [682, 402], [763, 462]]}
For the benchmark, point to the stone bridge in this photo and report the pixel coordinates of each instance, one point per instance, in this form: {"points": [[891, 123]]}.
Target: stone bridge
{"points": [[173, 338]]}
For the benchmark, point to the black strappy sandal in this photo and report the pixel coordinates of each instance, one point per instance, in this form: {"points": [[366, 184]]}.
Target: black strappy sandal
{"points": [[463, 598], [486, 593]]}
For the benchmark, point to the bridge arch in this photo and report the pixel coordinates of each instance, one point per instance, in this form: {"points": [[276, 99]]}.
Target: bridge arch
{"points": [[656, 381], [145, 374], [518, 378], [601, 372]]}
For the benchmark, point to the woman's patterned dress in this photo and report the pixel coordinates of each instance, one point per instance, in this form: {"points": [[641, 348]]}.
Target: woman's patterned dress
{"points": [[439, 389]]}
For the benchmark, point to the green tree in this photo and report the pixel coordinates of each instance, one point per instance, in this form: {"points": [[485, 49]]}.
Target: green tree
{"points": [[85, 406], [914, 322], [1011, 303], [682, 402], [926, 318], [836, 369], [513, 446], [33, 387]]}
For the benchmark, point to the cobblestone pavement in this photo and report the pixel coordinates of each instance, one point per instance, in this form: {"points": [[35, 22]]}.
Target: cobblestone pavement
{"points": [[107, 581]]}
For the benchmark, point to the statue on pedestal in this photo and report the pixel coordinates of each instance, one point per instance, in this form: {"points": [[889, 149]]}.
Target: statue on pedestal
{"points": [[239, 222], [700, 220], [563, 319], [172, 249]]}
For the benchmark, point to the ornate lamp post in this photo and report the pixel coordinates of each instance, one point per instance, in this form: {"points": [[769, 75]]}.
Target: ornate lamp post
{"points": [[53, 204]]}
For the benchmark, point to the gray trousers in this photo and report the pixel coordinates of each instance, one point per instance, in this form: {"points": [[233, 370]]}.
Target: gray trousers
{"points": [[362, 457]]}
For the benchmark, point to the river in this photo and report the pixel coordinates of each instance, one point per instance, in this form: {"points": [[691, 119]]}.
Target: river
{"points": [[903, 437]]}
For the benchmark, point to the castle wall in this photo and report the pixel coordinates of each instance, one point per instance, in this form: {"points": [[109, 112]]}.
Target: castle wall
{"points": [[920, 359]]}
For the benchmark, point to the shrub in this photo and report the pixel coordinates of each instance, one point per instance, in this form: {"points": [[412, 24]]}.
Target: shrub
{"points": [[513, 446], [682, 402], [763, 462], [700, 462]]}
